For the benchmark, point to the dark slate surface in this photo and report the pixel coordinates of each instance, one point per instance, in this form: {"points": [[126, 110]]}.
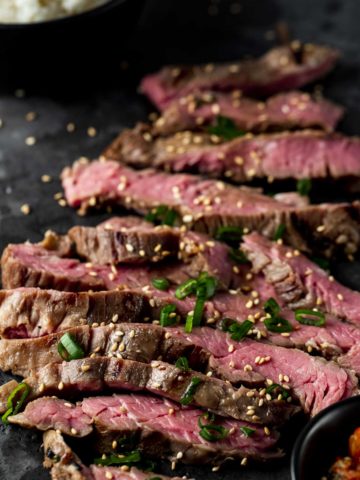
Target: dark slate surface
{"points": [[168, 32]]}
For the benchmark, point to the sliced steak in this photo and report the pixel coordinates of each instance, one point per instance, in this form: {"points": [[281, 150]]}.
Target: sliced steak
{"points": [[103, 473], [279, 156], [96, 375], [110, 244], [282, 68], [300, 283], [140, 342], [206, 205], [315, 382], [283, 111], [52, 413], [163, 429]]}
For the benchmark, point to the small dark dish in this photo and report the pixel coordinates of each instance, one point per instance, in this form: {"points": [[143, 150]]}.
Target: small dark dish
{"points": [[82, 48], [324, 439]]}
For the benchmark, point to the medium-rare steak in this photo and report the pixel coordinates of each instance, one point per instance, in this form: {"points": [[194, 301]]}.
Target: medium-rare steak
{"points": [[315, 382], [277, 156], [206, 205], [162, 428], [299, 283], [130, 341], [282, 68], [66, 465], [96, 375], [283, 111], [111, 243]]}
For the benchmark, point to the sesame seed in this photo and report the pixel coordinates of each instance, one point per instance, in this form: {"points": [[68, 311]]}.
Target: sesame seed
{"points": [[179, 455], [249, 304], [46, 178], [250, 393], [85, 368], [30, 116], [115, 318], [62, 202], [70, 127], [41, 387], [231, 348], [92, 132], [74, 431], [30, 141], [320, 228], [266, 431], [121, 347], [25, 209], [216, 468], [248, 368], [68, 405], [188, 218], [60, 386], [109, 475], [243, 461], [171, 411], [173, 465]]}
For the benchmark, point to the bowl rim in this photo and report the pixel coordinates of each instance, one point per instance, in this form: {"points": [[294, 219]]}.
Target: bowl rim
{"points": [[109, 4], [294, 463]]}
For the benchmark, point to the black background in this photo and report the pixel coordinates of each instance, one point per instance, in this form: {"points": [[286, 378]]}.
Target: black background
{"points": [[102, 94]]}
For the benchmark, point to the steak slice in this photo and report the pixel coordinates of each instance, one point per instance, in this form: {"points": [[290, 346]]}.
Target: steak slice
{"points": [[315, 382], [224, 204], [127, 341], [96, 375], [163, 428], [283, 111], [299, 283], [112, 243], [282, 68], [66, 465], [277, 156]]}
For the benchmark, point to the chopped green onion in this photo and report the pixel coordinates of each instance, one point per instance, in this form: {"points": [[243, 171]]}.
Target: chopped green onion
{"points": [[276, 386], [277, 325], [238, 331], [166, 319], [189, 393], [161, 283], [279, 232], [310, 317], [231, 235], [247, 431], [182, 363], [162, 215], [209, 431], [126, 459], [68, 348], [225, 128], [14, 409], [304, 186], [272, 307], [207, 416], [185, 289], [321, 262], [238, 256], [206, 285]]}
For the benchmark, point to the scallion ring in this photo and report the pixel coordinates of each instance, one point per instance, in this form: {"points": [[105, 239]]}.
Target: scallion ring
{"points": [[68, 348], [310, 317]]}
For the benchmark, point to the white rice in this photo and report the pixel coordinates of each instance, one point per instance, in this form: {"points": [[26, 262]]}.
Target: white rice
{"points": [[28, 11]]}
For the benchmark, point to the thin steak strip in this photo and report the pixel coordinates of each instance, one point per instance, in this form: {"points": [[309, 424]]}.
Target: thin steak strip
{"points": [[279, 156], [163, 429], [282, 68], [283, 111], [206, 205]]}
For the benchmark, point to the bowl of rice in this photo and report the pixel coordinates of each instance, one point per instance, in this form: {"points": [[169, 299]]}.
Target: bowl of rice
{"points": [[60, 43]]}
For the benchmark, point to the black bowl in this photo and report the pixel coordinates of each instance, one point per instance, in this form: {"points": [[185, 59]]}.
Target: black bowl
{"points": [[324, 439], [79, 50]]}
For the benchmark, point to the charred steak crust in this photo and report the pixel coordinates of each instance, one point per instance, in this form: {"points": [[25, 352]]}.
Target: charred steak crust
{"points": [[282, 68]]}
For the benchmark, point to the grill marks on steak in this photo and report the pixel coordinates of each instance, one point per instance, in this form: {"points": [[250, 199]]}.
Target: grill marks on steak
{"points": [[224, 204], [315, 382], [282, 111], [162, 427], [279, 69], [96, 375], [140, 342], [302, 154], [300, 283], [112, 243]]}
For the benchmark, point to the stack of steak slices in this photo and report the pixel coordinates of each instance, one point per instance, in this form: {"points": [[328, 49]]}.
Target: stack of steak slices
{"points": [[159, 340]]}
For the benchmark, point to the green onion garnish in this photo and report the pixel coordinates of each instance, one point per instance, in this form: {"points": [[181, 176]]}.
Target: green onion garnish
{"points": [[321, 262], [162, 215], [68, 348], [238, 331], [14, 409], [206, 285], [310, 317], [209, 431], [304, 186], [277, 325], [161, 283], [238, 256], [272, 307], [126, 459], [185, 289], [279, 232], [182, 363], [231, 235], [189, 393], [247, 431], [225, 128], [276, 386], [166, 317]]}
